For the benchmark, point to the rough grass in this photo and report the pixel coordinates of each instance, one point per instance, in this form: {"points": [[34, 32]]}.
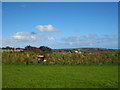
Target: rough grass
{"points": [[60, 76], [58, 58]]}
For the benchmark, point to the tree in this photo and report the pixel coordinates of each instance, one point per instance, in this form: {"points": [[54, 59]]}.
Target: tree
{"points": [[45, 49], [7, 47], [33, 49]]}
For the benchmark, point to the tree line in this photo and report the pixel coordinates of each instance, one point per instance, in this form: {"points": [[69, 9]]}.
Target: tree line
{"points": [[40, 50]]}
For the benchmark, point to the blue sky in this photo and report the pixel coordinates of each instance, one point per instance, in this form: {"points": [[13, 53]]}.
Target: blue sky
{"points": [[60, 25]]}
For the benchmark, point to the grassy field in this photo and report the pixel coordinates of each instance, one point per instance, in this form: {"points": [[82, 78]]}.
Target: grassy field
{"points": [[0, 76], [60, 76]]}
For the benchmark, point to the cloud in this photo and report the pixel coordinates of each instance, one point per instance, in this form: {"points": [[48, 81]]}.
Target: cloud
{"points": [[90, 40], [51, 38], [71, 39], [90, 36], [18, 35], [33, 33], [46, 28], [19, 39], [26, 36], [108, 38]]}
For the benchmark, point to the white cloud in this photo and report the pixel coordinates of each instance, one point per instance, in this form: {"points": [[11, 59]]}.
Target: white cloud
{"points": [[51, 38], [90, 36], [18, 35], [89, 40], [71, 43], [46, 28], [26, 38], [23, 36], [33, 37], [71, 39], [108, 38]]}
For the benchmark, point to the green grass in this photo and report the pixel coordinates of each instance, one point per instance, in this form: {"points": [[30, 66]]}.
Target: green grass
{"points": [[60, 76], [0, 76]]}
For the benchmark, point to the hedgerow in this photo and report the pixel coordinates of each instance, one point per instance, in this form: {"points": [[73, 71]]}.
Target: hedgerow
{"points": [[59, 58]]}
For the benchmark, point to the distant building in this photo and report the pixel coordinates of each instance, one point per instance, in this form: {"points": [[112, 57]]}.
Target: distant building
{"points": [[78, 51]]}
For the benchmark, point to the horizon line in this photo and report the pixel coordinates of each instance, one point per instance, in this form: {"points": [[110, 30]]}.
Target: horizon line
{"points": [[60, 48]]}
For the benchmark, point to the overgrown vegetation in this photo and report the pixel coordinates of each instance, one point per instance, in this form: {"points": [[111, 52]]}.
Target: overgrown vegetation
{"points": [[72, 58], [59, 58]]}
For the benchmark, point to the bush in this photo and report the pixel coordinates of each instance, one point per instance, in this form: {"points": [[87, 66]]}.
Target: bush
{"points": [[45, 49]]}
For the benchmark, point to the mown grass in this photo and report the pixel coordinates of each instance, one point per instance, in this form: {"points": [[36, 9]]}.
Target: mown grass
{"points": [[60, 76], [0, 76]]}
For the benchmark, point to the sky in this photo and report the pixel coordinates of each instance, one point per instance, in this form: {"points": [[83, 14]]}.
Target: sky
{"points": [[60, 0], [60, 24]]}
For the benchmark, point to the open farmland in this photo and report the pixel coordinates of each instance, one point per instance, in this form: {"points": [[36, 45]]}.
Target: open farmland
{"points": [[60, 76], [61, 70], [59, 45]]}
